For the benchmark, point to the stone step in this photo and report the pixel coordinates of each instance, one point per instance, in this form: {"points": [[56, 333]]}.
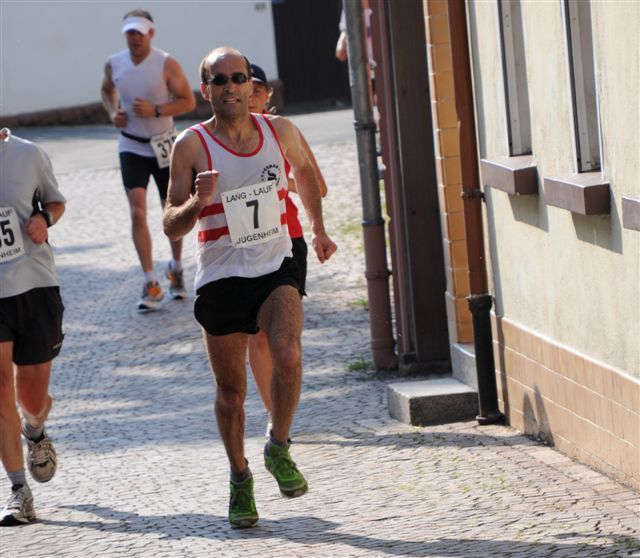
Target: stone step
{"points": [[431, 401]]}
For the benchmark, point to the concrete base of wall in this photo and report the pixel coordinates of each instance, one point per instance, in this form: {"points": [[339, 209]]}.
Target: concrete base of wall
{"points": [[463, 364], [431, 401]]}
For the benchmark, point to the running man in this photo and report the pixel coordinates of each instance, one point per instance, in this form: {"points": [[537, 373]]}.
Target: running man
{"points": [[142, 90], [246, 279], [259, 354], [30, 317]]}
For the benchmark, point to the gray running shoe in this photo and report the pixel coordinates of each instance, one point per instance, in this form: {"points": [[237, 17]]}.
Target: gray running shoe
{"points": [[152, 295], [42, 459], [176, 283], [19, 508]]}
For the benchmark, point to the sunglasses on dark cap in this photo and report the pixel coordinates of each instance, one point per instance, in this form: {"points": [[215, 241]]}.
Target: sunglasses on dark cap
{"points": [[220, 79]]}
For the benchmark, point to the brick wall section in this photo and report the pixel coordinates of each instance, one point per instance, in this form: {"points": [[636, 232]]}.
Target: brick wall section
{"points": [[448, 169], [588, 410]]}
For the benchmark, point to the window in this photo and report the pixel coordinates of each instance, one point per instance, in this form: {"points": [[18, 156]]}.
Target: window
{"points": [[583, 84], [515, 77]]}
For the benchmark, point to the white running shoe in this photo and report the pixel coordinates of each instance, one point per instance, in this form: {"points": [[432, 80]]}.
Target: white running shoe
{"points": [[42, 459], [19, 508], [152, 295]]}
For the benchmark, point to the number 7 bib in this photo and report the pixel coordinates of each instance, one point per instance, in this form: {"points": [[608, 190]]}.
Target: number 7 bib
{"points": [[253, 214]]}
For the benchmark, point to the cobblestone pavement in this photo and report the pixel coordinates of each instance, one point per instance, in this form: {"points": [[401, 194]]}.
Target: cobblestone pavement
{"points": [[142, 469]]}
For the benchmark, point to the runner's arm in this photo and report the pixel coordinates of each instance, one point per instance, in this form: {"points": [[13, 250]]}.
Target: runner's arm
{"points": [[183, 100], [110, 99], [182, 208], [307, 185], [316, 169]]}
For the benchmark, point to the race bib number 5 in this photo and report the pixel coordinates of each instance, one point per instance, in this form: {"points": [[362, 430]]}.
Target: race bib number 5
{"points": [[162, 144], [253, 214], [11, 244]]}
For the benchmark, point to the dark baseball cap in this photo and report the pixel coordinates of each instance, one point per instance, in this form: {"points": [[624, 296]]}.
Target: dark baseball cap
{"points": [[257, 74]]}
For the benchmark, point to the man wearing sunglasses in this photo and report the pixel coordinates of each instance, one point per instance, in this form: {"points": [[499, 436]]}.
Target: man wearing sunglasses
{"points": [[246, 278], [142, 90]]}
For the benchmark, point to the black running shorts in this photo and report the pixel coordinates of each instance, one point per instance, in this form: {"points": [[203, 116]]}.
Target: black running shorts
{"points": [[137, 169], [299, 249], [231, 305], [33, 321]]}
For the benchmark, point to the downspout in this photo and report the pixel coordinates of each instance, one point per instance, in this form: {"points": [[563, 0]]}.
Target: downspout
{"points": [[376, 271], [479, 300]]}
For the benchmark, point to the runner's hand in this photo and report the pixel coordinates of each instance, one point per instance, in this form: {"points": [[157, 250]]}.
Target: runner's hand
{"points": [[324, 247], [143, 108], [36, 229], [205, 184], [120, 119]]}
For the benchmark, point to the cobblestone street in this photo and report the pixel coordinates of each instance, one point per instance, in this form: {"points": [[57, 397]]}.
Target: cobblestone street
{"points": [[142, 470]]}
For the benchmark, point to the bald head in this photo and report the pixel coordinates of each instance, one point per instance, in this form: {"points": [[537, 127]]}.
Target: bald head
{"points": [[217, 55]]}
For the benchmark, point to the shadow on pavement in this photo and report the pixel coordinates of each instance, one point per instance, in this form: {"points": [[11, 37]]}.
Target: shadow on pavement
{"points": [[307, 530]]}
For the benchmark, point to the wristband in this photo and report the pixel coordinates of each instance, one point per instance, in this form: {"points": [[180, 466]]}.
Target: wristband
{"points": [[158, 113], [47, 217]]}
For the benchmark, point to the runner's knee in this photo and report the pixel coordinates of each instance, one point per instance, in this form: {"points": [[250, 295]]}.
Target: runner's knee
{"points": [[286, 354], [230, 397]]}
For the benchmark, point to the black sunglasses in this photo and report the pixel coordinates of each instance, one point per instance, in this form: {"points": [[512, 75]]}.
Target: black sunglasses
{"points": [[220, 79]]}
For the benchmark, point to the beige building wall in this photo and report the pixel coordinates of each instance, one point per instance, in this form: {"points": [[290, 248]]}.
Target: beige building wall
{"points": [[567, 286]]}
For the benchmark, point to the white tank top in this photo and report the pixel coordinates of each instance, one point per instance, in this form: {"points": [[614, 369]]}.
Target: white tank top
{"points": [[216, 255], [145, 80]]}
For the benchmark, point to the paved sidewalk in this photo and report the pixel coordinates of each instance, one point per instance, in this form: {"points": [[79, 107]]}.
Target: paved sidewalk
{"points": [[142, 469]]}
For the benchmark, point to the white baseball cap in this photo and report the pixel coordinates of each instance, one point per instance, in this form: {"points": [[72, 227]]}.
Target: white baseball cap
{"points": [[137, 23]]}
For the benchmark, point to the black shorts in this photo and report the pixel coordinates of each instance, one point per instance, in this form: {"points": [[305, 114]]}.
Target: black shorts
{"points": [[299, 249], [231, 305], [137, 169], [33, 321]]}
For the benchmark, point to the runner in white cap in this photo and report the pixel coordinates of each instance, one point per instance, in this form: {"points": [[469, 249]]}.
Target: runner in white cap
{"points": [[143, 89]]}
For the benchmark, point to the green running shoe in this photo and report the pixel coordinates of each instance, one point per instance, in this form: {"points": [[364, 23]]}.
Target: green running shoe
{"points": [[242, 506], [279, 463]]}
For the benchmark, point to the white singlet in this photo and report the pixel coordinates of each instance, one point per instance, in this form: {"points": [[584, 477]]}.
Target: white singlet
{"points": [[145, 80], [217, 257]]}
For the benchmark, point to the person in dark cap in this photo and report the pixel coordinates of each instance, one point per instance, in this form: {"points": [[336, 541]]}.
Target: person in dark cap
{"points": [[259, 353]]}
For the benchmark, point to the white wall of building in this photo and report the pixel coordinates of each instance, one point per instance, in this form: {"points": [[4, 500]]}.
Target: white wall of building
{"points": [[52, 52], [568, 277]]}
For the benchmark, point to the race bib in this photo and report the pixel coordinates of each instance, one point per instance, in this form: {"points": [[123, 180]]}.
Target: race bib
{"points": [[253, 214], [11, 244], [162, 144]]}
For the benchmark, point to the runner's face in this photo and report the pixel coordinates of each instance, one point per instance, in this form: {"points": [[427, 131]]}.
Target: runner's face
{"points": [[138, 43], [259, 98], [231, 98]]}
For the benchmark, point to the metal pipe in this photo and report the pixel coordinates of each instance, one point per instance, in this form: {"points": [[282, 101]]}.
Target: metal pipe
{"points": [[479, 300], [376, 271]]}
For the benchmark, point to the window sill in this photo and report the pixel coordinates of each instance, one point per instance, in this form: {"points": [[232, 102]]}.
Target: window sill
{"points": [[517, 176], [631, 213], [585, 193]]}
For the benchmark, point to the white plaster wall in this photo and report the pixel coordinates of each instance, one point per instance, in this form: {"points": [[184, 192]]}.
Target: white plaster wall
{"points": [[572, 278], [52, 52]]}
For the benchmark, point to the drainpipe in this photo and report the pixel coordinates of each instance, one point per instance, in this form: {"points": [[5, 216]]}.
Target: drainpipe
{"points": [[479, 300], [376, 271]]}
